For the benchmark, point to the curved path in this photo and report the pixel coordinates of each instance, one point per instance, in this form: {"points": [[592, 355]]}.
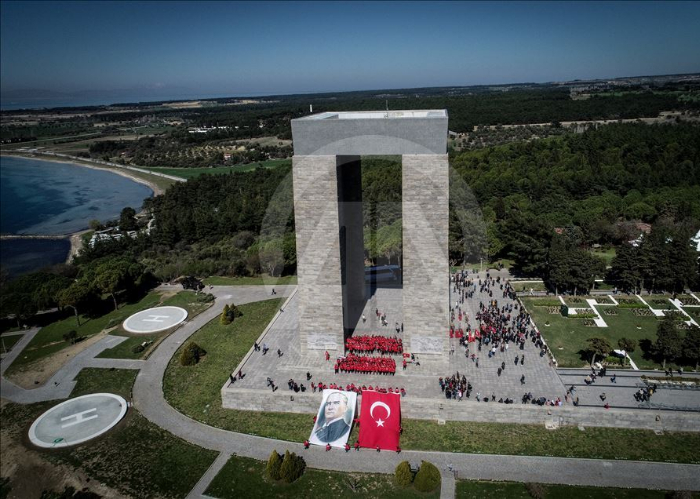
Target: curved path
{"points": [[149, 400]]}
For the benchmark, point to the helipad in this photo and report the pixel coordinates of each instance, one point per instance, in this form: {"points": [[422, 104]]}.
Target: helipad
{"points": [[77, 420], [154, 320]]}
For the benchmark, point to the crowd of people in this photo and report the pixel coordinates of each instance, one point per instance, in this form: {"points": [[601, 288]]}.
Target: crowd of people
{"points": [[363, 364], [371, 344], [352, 387]]}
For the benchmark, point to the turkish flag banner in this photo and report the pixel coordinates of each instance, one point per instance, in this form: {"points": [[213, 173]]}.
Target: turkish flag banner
{"points": [[380, 420]]}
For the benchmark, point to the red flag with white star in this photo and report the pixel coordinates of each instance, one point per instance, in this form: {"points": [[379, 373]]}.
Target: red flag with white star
{"points": [[380, 420]]}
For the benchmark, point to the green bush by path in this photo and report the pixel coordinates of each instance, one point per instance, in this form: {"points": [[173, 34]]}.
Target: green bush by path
{"points": [[191, 354], [428, 477], [273, 466], [292, 467], [243, 477], [403, 474]]}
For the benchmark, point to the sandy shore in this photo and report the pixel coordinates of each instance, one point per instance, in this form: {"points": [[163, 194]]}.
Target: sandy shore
{"points": [[76, 239]]}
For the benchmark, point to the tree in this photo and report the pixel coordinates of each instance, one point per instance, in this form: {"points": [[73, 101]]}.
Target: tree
{"points": [[127, 219], [427, 478], [272, 256], [46, 295], [669, 345], [75, 296], [274, 463], [691, 345], [598, 347], [403, 474], [627, 344], [625, 268]]}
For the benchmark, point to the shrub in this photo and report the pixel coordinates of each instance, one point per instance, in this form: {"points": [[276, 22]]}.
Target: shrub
{"points": [[404, 475], [273, 465], [225, 319], [206, 298], [292, 467], [137, 348], [70, 336], [234, 311], [191, 354], [536, 490], [427, 478]]}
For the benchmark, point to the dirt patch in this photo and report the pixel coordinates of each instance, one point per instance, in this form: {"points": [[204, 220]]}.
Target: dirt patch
{"points": [[37, 373]]}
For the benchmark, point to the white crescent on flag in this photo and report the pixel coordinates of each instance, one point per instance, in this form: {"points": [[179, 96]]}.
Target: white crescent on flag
{"points": [[371, 412]]}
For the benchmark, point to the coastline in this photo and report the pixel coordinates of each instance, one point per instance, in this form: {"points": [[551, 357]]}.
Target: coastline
{"points": [[157, 191], [75, 238]]}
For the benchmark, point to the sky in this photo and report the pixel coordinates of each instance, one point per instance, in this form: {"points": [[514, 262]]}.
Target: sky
{"points": [[161, 49]]}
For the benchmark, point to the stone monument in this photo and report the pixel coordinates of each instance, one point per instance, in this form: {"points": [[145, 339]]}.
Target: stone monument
{"points": [[329, 227]]}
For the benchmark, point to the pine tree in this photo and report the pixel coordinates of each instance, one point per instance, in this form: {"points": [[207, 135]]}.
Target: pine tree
{"points": [[691, 345], [225, 319]]}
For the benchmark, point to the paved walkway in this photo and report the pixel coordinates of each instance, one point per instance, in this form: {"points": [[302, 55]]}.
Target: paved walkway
{"points": [[149, 400]]}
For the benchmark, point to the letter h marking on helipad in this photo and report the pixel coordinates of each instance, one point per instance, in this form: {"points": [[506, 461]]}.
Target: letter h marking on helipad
{"points": [[156, 318], [79, 417]]}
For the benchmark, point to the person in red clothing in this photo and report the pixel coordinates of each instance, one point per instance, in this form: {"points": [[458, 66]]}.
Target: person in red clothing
{"points": [[328, 356], [306, 444], [347, 447], [328, 447], [357, 445]]}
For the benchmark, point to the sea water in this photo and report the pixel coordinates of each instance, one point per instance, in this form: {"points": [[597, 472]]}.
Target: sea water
{"points": [[47, 198]]}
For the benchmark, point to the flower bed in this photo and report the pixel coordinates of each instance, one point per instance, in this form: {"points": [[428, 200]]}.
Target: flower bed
{"points": [[630, 303], [589, 323], [642, 312], [610, 311]]}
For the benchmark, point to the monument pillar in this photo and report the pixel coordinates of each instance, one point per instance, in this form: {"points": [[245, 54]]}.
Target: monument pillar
{"points": [[426, 285]]}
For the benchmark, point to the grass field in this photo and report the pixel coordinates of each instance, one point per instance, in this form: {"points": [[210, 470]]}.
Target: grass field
{"points": [[498, 490], [250, 281], [49, 339], [188, 173], [606, 255], [195, 390], [525, 287], [567, 336], [245, 478]]}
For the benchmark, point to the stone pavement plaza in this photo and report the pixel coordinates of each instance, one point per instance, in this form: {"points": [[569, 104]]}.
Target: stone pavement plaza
{"points": [[420, 381]]}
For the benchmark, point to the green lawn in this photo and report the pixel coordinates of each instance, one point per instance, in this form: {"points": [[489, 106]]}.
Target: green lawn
{"points": [[188, 173], [49, 339], [606, 255], [250, 281], [467, 489], [567, 336], [195, 390], [536, 440], [246, 478], [525, 287], [7, 342], [97, 380]]}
